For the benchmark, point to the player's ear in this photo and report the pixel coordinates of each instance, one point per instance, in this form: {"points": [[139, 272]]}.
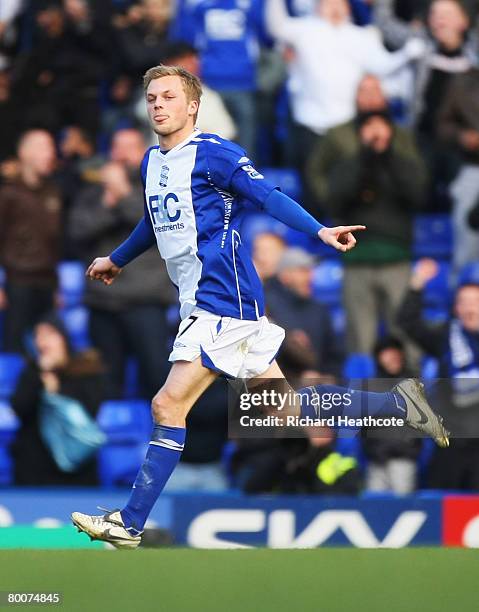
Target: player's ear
{"points": [[193, 106]]}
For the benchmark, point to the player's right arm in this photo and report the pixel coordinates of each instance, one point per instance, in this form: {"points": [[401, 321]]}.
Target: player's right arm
{"points": [[106, 269]]}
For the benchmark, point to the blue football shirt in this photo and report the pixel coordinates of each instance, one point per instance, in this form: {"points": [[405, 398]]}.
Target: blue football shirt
{"points": [[196, 196]]}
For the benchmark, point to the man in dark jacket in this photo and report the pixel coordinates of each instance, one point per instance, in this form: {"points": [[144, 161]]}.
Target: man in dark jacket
{"points": [[456, 345], [30, 236], [130, 317], [290, 303], [381, 182]]}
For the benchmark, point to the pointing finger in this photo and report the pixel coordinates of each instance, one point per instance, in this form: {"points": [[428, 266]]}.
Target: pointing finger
{"points": [[352, 228]]}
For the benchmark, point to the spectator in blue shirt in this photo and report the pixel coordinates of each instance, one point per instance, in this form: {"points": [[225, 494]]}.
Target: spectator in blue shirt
{"points": [[227, 34]]}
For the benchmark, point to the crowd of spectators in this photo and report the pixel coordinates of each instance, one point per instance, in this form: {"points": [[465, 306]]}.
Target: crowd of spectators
{"points": [[375, 106]]}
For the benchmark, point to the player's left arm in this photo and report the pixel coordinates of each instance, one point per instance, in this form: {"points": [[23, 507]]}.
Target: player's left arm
{"points": [[287, 210], [234, 173]]}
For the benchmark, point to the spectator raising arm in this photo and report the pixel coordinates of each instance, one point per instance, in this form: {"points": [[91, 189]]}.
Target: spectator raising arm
{"points": [[429, 337], [280, 24]]}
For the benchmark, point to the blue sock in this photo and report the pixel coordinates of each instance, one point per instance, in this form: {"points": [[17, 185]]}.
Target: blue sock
{"points": [[325, 401], [161, 459]]}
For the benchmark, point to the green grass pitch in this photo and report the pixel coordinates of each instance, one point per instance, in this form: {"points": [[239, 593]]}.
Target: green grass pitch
{"points": [[181, 580]]}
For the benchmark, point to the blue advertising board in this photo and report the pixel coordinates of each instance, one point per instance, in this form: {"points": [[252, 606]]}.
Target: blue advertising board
{"points": [[236, 521], [306, 522], [52, 507]]}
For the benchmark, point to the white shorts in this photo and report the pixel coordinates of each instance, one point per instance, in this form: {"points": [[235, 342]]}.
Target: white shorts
{"points": [[234, 347]]}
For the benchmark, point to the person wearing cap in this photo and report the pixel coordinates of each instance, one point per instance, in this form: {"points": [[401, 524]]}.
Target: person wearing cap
{"points": [[290, 303], [455, 344]]}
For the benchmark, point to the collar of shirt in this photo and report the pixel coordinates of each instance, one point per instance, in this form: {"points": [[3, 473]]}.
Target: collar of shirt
{"points": [[181, 144]]}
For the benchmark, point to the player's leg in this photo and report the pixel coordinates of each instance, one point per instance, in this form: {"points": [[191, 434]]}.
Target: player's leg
{"points": [[339, 401], [406, 401], [170, 407]]}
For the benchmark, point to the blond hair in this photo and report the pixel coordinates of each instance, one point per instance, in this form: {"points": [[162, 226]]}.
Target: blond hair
{"points": [[191, 83]]}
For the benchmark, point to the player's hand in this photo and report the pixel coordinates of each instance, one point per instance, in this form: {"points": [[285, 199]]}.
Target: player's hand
{"points": [[103, 269], [340, 238], [424, 271]]}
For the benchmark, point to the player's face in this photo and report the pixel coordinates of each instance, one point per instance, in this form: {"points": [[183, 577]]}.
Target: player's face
{"points": [[168, 107], [467, 307]]}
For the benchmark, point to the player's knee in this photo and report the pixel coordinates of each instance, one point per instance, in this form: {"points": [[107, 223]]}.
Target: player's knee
{"points": [[166, 409]]}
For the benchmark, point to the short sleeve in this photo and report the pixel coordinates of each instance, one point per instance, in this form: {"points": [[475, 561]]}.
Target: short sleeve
{"points": [[231, 170]]}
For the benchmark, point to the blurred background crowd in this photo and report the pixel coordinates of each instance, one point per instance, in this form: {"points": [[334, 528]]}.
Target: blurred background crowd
{"points": [[365, 111]]}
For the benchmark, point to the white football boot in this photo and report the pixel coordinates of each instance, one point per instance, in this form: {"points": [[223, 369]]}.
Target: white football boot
{"points": [[108, 527], [419, 413]]}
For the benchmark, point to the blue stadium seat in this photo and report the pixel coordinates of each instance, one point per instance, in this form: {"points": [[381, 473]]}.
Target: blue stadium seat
{"points": [[311, 244], [2, 316], [338, 318], [132, 379], [71, 276], [8, 426], [6, 467], [433, 236], [11, 366], [76, 323], [9, 423], [359, 366], [436, 314], [328, 281], [429, 368], [2, 327], [469, 274], [259, 223], [125, 422], [287, 179], [128, 425], [118, 465]]}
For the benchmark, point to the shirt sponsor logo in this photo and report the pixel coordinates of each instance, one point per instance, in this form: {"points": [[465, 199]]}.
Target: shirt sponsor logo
{"points": [[163, 214]]}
